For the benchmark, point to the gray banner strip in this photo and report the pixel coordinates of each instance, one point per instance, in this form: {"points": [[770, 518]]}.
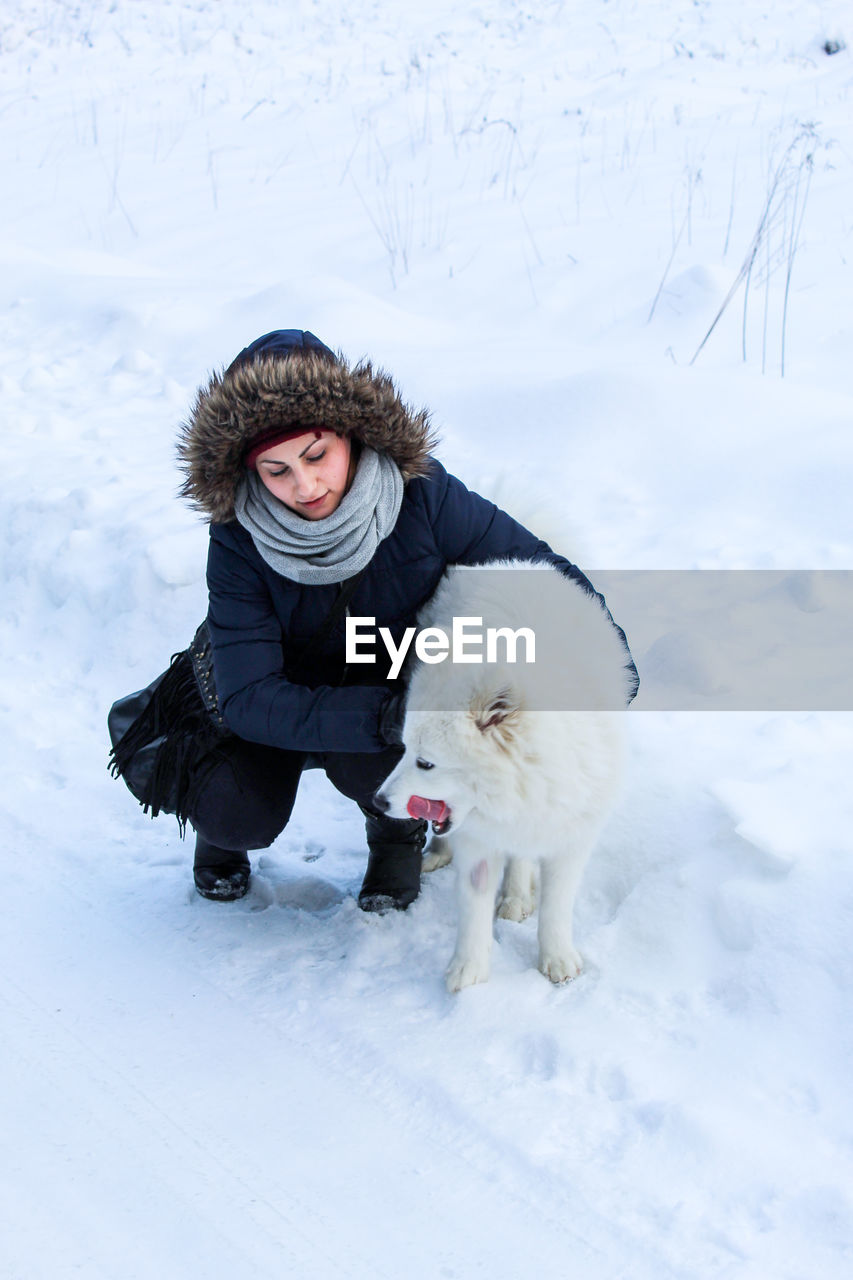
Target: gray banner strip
{"points": [[737, 640], [703, 640]]}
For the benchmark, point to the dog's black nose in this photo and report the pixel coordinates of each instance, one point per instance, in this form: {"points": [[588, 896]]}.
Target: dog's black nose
{"points": [[381, 802]]}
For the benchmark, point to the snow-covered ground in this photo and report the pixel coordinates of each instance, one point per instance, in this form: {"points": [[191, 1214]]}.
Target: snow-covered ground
{"points": [[532, 215]]}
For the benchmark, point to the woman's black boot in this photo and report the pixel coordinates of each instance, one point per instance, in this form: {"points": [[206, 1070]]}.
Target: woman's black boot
{"points": [[393, 877], [221, 874]]}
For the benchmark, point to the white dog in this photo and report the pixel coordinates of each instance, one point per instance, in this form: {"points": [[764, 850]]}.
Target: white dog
{"points": [[515, 783]]}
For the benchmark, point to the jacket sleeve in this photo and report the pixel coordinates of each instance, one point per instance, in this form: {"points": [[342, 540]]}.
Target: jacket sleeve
{"points": [[471, 530], [258, 702]]}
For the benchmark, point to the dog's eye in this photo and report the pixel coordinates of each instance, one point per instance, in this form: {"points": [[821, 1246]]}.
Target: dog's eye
{"points": [[424, 764]]}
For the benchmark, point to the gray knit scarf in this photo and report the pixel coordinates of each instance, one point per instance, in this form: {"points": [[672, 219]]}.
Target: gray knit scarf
{"points": [[313, 552]]}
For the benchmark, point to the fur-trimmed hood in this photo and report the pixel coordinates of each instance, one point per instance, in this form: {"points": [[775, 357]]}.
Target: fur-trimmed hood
{"points": [[274, 384]]}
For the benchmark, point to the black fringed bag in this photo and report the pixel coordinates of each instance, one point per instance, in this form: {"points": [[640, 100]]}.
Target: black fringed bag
{"points": [[167, 738]]}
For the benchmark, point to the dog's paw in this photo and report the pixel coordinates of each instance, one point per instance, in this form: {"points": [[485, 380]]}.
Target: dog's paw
{"points": [[437, 855], [517, 898], [513, 906], [465, 971], [562, 966]]}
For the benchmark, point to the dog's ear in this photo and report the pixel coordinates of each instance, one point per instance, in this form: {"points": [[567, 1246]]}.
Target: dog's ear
{"points": [[495, 711]]}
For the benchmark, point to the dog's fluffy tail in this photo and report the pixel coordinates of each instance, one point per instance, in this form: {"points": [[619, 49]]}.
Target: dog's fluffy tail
{"points": [[539, 512]]}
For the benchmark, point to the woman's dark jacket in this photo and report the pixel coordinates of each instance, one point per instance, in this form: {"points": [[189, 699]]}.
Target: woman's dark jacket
{"points": [[262, 623]]}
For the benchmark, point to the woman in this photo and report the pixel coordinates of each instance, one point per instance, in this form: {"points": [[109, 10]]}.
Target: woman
{"points": [[318, 479]]}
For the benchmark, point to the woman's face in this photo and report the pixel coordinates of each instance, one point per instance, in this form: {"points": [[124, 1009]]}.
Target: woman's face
{"points": [[308, 475]]}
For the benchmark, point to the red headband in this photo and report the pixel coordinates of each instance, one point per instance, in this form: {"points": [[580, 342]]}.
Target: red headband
{"points": [[271, 438]]}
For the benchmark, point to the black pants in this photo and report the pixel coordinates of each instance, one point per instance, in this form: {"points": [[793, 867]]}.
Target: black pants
{"points": [[245, 799]]}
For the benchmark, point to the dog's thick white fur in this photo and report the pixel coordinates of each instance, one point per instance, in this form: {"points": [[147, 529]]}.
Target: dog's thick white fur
{"points": [[524, 786]]}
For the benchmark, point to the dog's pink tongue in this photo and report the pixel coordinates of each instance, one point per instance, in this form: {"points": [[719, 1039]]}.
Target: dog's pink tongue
{"points": [[434, 810]]}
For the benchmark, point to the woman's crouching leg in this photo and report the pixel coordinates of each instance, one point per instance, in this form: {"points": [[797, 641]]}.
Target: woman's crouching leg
{"points": [[359, 775], [244, 795], [394, 846]]}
